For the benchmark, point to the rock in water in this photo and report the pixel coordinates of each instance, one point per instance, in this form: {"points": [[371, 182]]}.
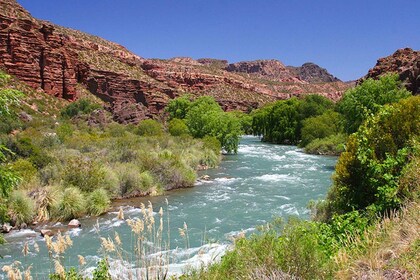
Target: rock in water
{"points": [[46, 232], [74, 224]]}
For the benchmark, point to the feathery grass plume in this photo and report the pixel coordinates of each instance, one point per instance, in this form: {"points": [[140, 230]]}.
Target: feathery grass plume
{"points": [[137, 226], [117, 239], [36, 247], [107, 244], [120, 214], [59, 269], [27, 274], [25, 249], [62, 243], [82, 260]]}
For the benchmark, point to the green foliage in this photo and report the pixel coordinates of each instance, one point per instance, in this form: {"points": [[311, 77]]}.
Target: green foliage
{"points": [[102, 271], [64, 131], [369, 171], [177, 127], [366, 99], [201, 116], [79, 107], [84, 173], [211, 142], [206, 118], [281, 122], [8, 97], [149, 128], [99, 202], [179, 107], [25, 169], [71, 274], [8, 178], [321, 126], [70, 204], [21, 208], [331, 145]]}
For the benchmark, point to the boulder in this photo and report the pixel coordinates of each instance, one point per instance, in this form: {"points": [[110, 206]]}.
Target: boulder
{"points": [[23, 226], [6, 228], [205, 177], [46, 232], [74, 224]]}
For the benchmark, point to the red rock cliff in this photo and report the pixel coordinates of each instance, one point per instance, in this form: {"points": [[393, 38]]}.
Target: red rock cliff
{"points": [[61, 61]]}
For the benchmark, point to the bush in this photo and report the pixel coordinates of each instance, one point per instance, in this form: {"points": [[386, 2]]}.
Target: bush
{"points": [[321, 126], [178, 127], [331, 145], [25, 169], [149, 128], [64, 131], [368, 172], [79, 107], [84, 173], [21, 208], [360, 102], [69, 205], [99, 202]]}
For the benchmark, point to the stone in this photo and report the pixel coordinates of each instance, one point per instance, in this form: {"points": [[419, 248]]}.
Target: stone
{"points": [[23, 226], [46, 232], [405, 62], [74, 224], [205, 177], [6, 228]]}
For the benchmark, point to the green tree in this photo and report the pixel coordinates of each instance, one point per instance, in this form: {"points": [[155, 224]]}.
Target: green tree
{"points": [[79, 107], [368, 172], [178, 107], [366, 99], [321, 126]]}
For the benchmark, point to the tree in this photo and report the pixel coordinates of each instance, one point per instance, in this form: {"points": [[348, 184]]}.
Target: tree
{"points": [[321, 126], [368, 172], [178, 127], [366, 99], [178, 107]]}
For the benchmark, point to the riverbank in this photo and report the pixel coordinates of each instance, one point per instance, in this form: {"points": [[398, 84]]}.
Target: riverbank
{"points": [[261, 182]]}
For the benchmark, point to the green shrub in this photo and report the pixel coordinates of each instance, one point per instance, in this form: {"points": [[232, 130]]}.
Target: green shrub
{"points": [[368, 172], [177, 127], [84, 173], [20, 208], [331, 145], [79, 107], [70, 204], [99, 202], [321, 126], [64, 131], [25, 169], [360, 102], [149, 128]]}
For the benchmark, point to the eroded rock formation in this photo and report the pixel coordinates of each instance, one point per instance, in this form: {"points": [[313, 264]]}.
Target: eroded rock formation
{"points": [[405, 62], [62, 62]]}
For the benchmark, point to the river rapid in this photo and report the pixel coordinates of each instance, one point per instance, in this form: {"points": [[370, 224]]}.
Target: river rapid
{"points": [[262, 182]]}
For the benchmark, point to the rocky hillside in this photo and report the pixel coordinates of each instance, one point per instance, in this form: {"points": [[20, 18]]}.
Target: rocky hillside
{"points": [[62, 62], [312, 73], [404, 62]]}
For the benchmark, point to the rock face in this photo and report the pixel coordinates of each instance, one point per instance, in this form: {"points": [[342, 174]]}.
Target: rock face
{"points": [[265, 69], [312, 73], [62, 62], [404, 62]]}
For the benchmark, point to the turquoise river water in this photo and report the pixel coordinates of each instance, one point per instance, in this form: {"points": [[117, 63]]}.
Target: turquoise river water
{"points": [[262, 182]]}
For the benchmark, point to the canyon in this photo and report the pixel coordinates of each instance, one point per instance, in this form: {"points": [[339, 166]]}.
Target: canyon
{"points": [[67, 63]]}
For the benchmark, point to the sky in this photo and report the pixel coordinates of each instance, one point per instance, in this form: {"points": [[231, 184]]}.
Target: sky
{"points": [[345, 37]]}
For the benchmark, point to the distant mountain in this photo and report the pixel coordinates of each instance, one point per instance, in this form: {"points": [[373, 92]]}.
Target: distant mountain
{"points": [[65, 63], [312, 73], [405, 62]]}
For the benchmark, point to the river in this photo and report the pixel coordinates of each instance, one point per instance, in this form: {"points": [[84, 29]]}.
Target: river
{"points": [[262, 182]]}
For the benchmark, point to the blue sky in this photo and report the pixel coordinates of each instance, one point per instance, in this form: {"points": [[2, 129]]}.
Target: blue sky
{"points": [[346, 37]]}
